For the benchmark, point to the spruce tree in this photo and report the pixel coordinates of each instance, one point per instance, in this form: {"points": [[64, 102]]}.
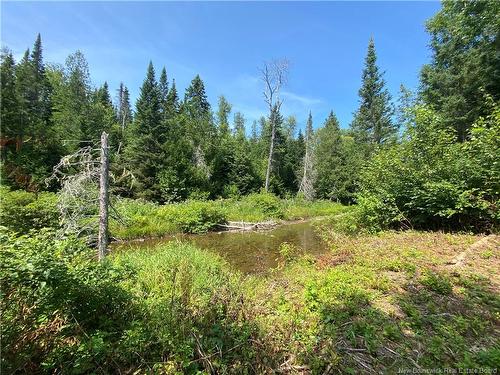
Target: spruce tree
{"points": [[329, 158], [465, 64], [144, 149], [24, 79], [372, 121], [10, 106], [239, 126], [337, 162], [223, 111], [196, 100], [40, 106], [163, 90], [172, 100]]}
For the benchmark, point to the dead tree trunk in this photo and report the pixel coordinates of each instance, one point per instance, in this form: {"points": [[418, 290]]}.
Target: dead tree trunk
{"points": [[274, 76], [271, 153], [102, 241]]}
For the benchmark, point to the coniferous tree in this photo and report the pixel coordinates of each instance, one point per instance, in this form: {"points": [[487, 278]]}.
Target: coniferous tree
{"points": [[24, 78], [10, 105], [173, 100], [102, 117], [144, 147], [40, 106], [465, 66], [239, 126], [163, 90], [338, 161], [197, 109], [196, 100], [372, 121], [35, 152], [223, 111]]}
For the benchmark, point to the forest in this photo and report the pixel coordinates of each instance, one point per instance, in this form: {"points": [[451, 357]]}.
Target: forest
{"points": [[402, 204]]}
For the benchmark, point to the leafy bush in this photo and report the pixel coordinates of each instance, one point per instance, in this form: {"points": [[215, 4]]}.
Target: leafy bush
{"points": [[22, 211], [60, 308], [431, 181], [269, 204], [194, 216], [145, 219]]}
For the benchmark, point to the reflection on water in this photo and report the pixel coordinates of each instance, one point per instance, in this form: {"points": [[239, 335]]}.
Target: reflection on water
{"points": [[250, 252]]}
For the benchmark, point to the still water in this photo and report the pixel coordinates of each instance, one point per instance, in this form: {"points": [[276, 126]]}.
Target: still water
{"points": [[249, 251]]}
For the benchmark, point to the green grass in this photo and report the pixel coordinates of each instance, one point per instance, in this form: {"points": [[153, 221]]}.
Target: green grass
{"points": [[375, 303]]}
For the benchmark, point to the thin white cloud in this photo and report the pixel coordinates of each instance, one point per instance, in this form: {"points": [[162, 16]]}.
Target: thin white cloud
{"points": [[303, 100]]}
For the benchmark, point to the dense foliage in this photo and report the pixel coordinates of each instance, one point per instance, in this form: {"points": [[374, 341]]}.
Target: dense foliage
{"points": [[170, 149]]}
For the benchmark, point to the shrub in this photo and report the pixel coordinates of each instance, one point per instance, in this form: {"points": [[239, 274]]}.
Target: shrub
{"points": [[22, 211], [194, 216], [60, 308], [268, 203], [430, 181]]}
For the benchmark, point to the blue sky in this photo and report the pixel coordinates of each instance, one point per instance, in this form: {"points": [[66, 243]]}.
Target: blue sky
{"points": [[226, 43]]}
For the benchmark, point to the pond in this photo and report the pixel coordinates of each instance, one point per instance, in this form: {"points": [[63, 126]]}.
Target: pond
{"points": [[248, 251]]}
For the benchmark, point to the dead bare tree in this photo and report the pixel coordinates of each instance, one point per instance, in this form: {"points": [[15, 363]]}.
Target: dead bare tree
{"points": [[79, 174], [309, 172], [102, 240], [274, 74]]}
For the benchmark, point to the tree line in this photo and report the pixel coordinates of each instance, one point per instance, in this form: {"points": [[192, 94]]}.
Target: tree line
{"points": [[171, 147]]}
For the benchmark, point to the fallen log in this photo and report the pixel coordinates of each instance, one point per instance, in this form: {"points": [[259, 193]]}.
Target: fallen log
{"points": [[242, 225]]}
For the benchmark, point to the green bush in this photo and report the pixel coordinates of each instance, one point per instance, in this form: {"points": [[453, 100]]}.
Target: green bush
{"points": [[430, 181], [269, 204], [61, 309], [22, 211], [194, 216], [64, 312]]}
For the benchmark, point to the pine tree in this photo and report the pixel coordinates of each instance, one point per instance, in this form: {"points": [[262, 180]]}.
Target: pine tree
{"points": [[465, 65], [372, 122], [172, 100], [144, 149], [10, 105], [163, 89], [223, 111], [239, 126]]}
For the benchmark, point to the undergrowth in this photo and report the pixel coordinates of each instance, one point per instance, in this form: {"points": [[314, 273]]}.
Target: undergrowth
{"points": [[373, 304]]}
